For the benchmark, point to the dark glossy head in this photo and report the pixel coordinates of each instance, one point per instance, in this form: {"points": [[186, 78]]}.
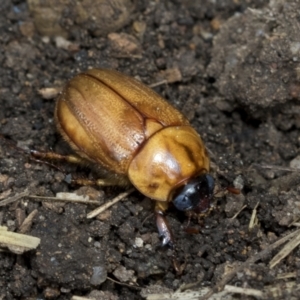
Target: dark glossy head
{"points": [[195, 195]]}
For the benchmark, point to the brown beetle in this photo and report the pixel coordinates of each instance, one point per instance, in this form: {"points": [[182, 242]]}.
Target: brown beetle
{"points": [[117, 122]]}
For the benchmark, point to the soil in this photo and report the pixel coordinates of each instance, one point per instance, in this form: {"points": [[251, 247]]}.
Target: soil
{"points": [[232, 67]]}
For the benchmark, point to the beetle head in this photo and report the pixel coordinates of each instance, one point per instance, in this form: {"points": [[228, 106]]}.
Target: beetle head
{"points": [[195, 194]]}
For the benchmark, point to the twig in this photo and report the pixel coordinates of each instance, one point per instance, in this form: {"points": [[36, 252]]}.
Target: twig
{"points": [[253, 220], [285, 251], [124, 284], [235, 216], [158, 83], [28, 222], [16, 242], [277, 168], [76, 200], [189, 295], [82, 298], [14, 198], [287, 275], [243, 291], [105, 206]]}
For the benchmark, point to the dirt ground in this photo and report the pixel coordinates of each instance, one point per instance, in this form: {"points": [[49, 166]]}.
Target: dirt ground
{"points": [[232, 67]]}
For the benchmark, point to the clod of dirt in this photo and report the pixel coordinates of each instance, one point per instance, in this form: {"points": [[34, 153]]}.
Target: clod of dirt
{"points": [[60, 17], [124, 44], [105, 295], [124, 275], [255, 60], [66, 254]]}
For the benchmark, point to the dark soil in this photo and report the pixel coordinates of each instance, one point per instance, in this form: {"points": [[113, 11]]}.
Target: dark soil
{"points": [[233, 71]]}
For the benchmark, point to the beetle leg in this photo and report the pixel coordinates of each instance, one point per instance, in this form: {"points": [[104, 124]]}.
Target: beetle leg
{"points": [[97, 182], [163, 225], [40, 156], [56, 156], [166, 233], [164, 229]]}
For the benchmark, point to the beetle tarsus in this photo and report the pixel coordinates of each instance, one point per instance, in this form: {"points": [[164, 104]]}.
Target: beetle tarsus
{"points": [[164, 230]]}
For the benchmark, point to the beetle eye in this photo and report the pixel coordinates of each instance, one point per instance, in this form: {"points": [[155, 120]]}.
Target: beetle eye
{"points": [[196, 190]]}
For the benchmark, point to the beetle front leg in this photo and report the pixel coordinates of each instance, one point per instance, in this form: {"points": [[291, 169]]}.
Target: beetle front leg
{"points": [[164, 229], [162, 224], [166, 233]]}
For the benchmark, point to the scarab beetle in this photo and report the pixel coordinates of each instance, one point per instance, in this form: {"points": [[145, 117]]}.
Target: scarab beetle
{"points": [[117, 122]]}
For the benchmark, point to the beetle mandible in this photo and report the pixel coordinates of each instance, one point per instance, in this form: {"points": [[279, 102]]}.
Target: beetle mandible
{"points": [[117, 122]]}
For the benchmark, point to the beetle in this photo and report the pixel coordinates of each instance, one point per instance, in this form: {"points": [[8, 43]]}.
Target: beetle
{"points": [[115, 121]]}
